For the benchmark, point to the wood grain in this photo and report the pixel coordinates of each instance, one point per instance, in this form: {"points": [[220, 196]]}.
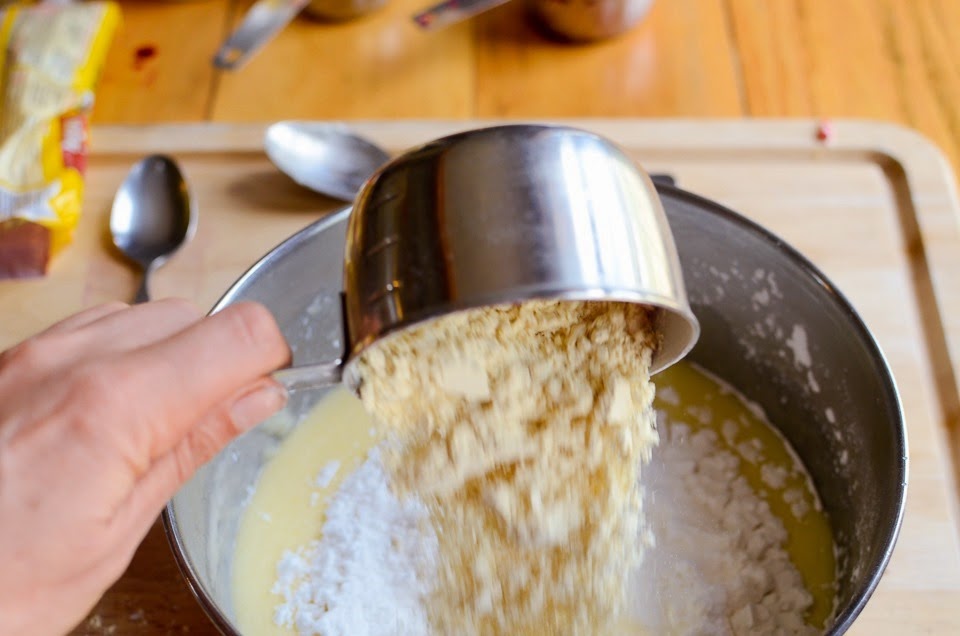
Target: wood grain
{"points": [[667, 66], [378, 66], [151, 598], [875, 208], [893, 60], [158, 68]]}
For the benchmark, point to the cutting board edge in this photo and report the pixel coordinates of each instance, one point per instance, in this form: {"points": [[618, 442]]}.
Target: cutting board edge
{"points": [[902, 153]]}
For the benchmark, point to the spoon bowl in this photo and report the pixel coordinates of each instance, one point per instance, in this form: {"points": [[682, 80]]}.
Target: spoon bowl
{"points": [[326, 158], [153, 215]]}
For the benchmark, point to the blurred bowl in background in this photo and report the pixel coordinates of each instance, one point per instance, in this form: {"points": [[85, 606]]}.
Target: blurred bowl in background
{"points": [[339, 10], [587, 20]]}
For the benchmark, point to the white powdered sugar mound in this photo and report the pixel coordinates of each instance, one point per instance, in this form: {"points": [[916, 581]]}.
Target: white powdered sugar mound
{"points": [[369, 572], [719, 566]]}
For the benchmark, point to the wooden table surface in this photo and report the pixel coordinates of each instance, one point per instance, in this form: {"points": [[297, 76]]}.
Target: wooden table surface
{"points": [[895, 60]]}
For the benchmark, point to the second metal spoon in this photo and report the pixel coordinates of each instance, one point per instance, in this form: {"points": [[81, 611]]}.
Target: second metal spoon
{"points": [[326, 158], [153, 215]]}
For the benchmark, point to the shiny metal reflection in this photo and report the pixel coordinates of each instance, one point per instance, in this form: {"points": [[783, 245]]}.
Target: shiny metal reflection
{"points": [[506, 214]]}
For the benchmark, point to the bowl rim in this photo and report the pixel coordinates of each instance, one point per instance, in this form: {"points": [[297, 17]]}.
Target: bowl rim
{"points": [[841, 621], [844, 620]]}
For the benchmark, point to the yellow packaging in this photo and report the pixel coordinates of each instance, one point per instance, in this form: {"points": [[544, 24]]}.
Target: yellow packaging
{"points": [[50, 59]]}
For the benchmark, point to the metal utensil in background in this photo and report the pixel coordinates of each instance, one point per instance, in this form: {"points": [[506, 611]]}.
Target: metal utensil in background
{"points": [[450, 12], [264, 20], [571, 20], [327, 158], [153, 215]]}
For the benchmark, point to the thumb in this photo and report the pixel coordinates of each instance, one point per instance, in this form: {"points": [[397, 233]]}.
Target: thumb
{"points": [[170, 471]]}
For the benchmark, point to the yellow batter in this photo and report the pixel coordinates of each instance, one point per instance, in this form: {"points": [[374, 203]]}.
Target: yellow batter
{"points": [[286, 510]]}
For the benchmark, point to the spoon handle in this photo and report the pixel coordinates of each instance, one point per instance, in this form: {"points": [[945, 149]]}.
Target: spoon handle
{"points": [[450, 12], [264, 19], [143, 292]]}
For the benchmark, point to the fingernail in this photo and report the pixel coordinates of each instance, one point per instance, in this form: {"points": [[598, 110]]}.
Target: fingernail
{"points": [[258, 405]]}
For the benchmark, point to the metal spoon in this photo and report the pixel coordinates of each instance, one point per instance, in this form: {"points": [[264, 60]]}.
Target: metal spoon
{"points": [[450, 12], [326, 158], [264, 20], [153, 215]]}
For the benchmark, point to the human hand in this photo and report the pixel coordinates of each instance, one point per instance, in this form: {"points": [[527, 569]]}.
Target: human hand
{"points": [[102, 418]]}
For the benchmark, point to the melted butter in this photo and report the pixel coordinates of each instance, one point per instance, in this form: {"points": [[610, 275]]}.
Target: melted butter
{"points": [[703, 402], [286, 510]]}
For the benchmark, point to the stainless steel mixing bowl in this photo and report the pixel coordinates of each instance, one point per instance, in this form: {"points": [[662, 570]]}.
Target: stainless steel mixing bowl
{"points": [[499, 215], [750, 292]]}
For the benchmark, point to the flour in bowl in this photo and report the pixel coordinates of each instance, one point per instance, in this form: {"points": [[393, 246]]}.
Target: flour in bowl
{"points": [[719, 567], [369, 573]]}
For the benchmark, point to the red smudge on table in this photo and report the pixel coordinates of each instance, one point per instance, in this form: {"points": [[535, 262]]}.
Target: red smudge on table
{"points": [[143, 54]]}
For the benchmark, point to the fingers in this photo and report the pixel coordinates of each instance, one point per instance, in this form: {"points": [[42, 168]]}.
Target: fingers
{"points": [[60, 344], [102, 330], [112, 429], [179, 380], [140, 325], [85, 317], [254, 404]]}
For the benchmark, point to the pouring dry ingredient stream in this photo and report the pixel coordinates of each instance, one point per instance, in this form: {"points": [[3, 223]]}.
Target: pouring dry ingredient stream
{"points": [[523, 429]]}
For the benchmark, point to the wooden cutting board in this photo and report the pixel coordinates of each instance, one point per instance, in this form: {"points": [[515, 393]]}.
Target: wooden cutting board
{"points": [[874, 206]]}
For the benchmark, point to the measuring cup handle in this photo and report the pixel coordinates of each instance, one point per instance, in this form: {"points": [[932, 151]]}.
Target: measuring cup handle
{"points": [[312, 376]]}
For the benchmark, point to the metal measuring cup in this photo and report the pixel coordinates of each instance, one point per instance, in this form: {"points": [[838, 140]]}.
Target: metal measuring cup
{"points": [[497, 216]]}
